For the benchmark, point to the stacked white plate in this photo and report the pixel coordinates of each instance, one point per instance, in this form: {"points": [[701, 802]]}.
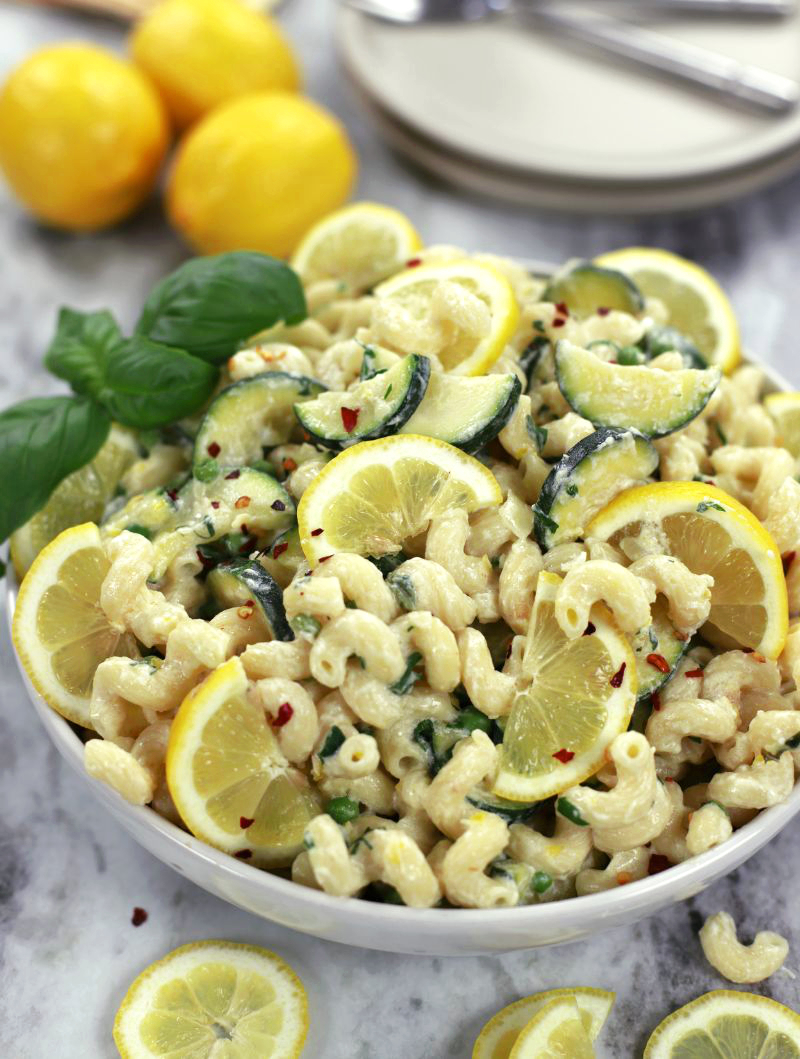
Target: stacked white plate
{"points": [[501, 108]]}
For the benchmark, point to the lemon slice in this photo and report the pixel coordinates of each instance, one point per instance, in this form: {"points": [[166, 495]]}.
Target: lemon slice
{"points": [[80, 497], [696, 303], [359, 245], [785, 411], [727, 1023], [60, 631], [500, 1033], [214, 999], [580, 697], [713, 534], [375, 495], [228, 778], [465, 352], [556, 1031]]}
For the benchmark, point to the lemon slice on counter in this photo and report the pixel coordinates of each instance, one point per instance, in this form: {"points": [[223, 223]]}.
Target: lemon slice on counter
{"points": [[555, 1032], [60, 631], [214, 998], [727, 1023], [465, 352], [500, 1033], [80, 497], [695, 302], [712, 533], [785, 411], [580, 697], [373, 496], [228, 778], [359, 245]]}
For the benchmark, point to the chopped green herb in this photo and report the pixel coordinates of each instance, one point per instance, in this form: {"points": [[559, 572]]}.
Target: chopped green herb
{"points": [[549, 523], [361, 662], [388, 563], [409, 677], [471, 719], [206, 470], [388, 391], [343, 810], [570, 811], [333, 741], [541, 882], [403, 588], [704, 505], [537, 434], [362, 840], [305, 623], [143, 531], [630, 355], [571, 490], [720, 433], [538, 325], [308, 842], [652, 635]]}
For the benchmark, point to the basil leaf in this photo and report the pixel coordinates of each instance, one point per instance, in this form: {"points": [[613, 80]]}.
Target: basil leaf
{"points": [[147, 384], [81, 347], [210, 304], [41, 442]]}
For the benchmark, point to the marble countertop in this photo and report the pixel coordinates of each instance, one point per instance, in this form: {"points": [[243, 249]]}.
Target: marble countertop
{"points": [[69, 878]]}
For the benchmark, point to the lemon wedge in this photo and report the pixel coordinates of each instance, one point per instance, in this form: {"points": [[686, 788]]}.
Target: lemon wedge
{"points": [[557, 1031], [695, 302], [214, 998], [712, 533], [228, 778], [375, 495], [465, 352], [580, 697], [727, 1023], [359, 245], [60, 631], [500, 1033], [785, 411]]}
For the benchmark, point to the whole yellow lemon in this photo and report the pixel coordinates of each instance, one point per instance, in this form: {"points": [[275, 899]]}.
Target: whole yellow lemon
{"points": [[200, 53], [256, 173], [82, 135]]}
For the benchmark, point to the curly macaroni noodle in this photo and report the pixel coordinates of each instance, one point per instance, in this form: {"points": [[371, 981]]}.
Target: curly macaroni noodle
{"points": [[741, 963]]}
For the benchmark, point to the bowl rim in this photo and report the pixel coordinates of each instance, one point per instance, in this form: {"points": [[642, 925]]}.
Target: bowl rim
{"points": [[656, 888]]}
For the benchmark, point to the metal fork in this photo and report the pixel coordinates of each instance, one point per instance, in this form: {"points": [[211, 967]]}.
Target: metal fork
{"points": [[413, 11], [732, 81]]}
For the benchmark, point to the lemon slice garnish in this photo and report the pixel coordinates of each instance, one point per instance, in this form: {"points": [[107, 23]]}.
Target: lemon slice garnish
{"points": [[785, 411], [713, 534], [556, 1031], [730, 1023], [359, 245], [695, 302], [465, 352], [60, 631], [500, 1033], [228, 778], [375, 495], [214, 998], [580, 697]]}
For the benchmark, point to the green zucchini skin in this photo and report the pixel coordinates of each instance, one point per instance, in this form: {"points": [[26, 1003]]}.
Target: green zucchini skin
{"points": [[536, 360], [147, 513], [574, 487], [406, 382], [250, 415], [584, 288], [667, 644], [502, 807], [466, 412], [235, 581], [663, 339]]}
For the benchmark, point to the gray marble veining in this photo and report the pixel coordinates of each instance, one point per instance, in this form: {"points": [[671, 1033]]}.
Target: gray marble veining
{"points": [[69, 878]]}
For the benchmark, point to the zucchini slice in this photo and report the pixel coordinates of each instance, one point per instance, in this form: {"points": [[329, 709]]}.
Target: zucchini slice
{"points": [[284, 556], [378, 406], [662, 339], [536, 360], [236, 581], [642, 398], [660, 644], [250, 416], [584, 288], [588, 477], [147, 513], [509, 811], [466, 412], [376, 360]]}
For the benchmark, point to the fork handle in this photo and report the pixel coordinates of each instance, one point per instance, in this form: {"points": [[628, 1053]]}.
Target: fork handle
{"points": [[720, 74], [717, 7]]}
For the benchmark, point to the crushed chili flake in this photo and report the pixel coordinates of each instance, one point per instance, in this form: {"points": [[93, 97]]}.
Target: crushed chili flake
{"points": [[245, 822], [244, 854], [243, 501], [787, 559], [213, 450], [603, 310], [758, 656], [324, 558], [279, 549], [215, 504], [246, 611], [655, 701], [562, 308], [233, 474], [205, 561], [623, 878], [283, 716], [682, 636], [590, 629], [139, 916], [658, 862], [172, 494], [658, 662], [564, 756], [559, 321], [746, 650], [278, 505], [316, 532], [289, 464], [616, 680], [413, 262], [695, 674], [349, 418], [306, 436]]}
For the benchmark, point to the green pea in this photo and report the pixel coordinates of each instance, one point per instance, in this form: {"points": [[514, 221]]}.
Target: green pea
{"points": [[541, 882], [342, 809]]}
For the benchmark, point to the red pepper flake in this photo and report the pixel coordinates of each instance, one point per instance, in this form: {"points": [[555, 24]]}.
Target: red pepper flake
{"points": [[244, 854], [279, 549], [787, 559], [325, 558], [413, 262], [758, 656], [623, 878], [278, 505], [204, 560], [695, 674], [509, 650], [289, 464], [283, 716], [747, 650], [316, 532], [245, 822], [616, 680], [172, 494], [655, 701], [245, 612], [350, 418], [213, 450], [233, 474], [658, 862], [682, 636], [559, 321], [658, 662], [562, 308], [603, 310], [564, 756], [139, 916], [215, 504], [306, 436], [242, 502], [590, 629]]}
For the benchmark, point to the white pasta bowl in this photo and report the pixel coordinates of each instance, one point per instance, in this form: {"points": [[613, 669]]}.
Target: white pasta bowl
{"points": [[393, 928]]}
